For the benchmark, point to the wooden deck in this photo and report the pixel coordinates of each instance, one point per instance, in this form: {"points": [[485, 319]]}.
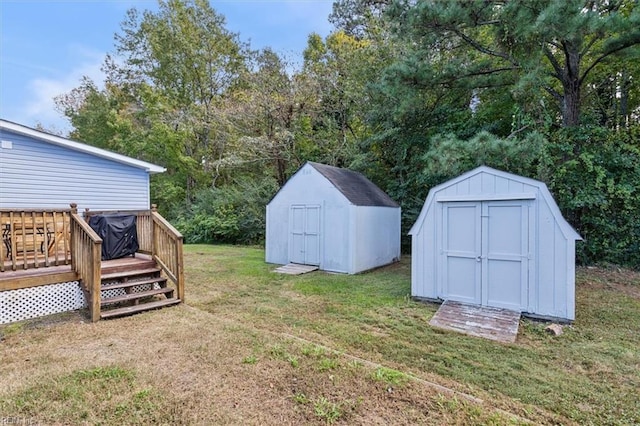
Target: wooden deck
{"points": [[23, 278], [47, 246], [480, 321]]}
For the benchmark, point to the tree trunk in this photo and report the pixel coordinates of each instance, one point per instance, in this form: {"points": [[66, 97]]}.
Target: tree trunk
{"points": [[571, 86], [281, 169], [571, 106], [625, 85]]}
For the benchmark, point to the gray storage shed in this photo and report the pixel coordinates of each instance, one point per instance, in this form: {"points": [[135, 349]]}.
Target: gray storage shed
{"points": [[333, 218], [496, 239]]}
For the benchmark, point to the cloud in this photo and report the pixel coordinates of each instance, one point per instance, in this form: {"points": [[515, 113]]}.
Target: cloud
{"points": [[39, 106]]}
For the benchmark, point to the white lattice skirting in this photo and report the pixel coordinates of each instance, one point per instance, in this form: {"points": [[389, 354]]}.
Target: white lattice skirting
{"points": [[26, 303], [18, 305]]}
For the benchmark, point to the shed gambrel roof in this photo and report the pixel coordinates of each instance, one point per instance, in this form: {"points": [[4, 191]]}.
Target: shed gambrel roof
{"points": [[78, 146], [359, 190], [566, 229]]}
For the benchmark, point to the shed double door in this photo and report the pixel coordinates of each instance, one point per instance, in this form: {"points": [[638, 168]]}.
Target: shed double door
{"points": [[485, 253], [304, 234]]}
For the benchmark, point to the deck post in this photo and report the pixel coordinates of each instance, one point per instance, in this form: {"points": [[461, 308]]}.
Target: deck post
{"points": [[86, 256], [96, 282], [180, 272], [72, 238], [154, 237]]}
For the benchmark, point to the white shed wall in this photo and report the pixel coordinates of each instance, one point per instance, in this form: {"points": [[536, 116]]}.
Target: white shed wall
{"points": [[377, 240], [423, 264], [337, 253], [35, 174], [554, 290]]}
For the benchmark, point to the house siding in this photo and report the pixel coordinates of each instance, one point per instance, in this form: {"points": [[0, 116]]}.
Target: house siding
{"points": [[36, 174]]}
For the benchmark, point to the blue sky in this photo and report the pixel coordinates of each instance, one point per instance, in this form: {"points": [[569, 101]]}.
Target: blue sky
{"points": [[47, 46]]}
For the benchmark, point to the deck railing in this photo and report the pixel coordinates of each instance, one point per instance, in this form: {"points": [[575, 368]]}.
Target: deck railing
{"points": [[34, 238], [167, 250], [44, 238], [86, 258], [158, 238]]}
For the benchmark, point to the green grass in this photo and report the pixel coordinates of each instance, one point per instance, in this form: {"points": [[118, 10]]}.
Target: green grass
{"points": [[590, 374], [389, 376], [327, 410], [101, 395], [329, 348]]}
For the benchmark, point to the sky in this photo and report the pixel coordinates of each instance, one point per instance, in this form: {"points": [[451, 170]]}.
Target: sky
{"points": [[47, 46]]}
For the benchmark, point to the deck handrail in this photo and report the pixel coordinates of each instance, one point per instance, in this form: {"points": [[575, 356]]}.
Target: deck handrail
{"points": [[167, 250], [86, 258]]}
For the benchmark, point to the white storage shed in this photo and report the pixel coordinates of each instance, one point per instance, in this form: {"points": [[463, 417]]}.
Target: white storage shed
{"points": [[496, 239], [333, 218]]}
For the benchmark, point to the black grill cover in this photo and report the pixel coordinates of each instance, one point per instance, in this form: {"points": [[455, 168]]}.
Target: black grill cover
{"points": [[118, 233]]}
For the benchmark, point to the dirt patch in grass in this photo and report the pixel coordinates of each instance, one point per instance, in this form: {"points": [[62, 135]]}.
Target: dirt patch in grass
{"points": [[624, 281], [186, 366]]}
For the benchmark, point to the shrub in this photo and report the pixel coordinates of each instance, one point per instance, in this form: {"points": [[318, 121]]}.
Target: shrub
{"points": [[594, 174], [231, 214]]}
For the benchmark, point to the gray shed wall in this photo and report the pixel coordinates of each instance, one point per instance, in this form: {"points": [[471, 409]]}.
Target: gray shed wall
{"points": [[308, 187], [377, 237]]}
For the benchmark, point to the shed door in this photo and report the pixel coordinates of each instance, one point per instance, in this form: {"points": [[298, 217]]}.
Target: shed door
{"points": [[485, 247], [462, 239], [304, 235]]}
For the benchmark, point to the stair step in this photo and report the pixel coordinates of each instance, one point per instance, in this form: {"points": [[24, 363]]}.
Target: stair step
{"points": [[161, 281], [130, 273], [137, 295], [129, 310]]}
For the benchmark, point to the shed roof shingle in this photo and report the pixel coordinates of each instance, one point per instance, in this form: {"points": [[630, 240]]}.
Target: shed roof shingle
{"points": [[359, 190]]}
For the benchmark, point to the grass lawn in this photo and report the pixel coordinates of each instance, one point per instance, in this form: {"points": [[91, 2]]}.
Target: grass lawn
{"points": [[254, 347]]}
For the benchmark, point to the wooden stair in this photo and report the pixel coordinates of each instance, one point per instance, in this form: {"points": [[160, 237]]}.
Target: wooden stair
{"points": [[138, 287]]}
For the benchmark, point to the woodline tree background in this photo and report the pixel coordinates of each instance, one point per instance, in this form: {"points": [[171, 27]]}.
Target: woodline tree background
{"points": [[409, 93]]}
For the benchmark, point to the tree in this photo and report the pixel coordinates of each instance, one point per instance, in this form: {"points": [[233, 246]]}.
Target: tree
{"points": [[361, 19], [550, 45], [88, 109], [167, 96], [265, 109], [182, 63], [335, 67]]}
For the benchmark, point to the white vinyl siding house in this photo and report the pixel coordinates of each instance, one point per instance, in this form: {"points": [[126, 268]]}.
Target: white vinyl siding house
{"points": [[39, 170], [333, 218], [496, 239]]}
